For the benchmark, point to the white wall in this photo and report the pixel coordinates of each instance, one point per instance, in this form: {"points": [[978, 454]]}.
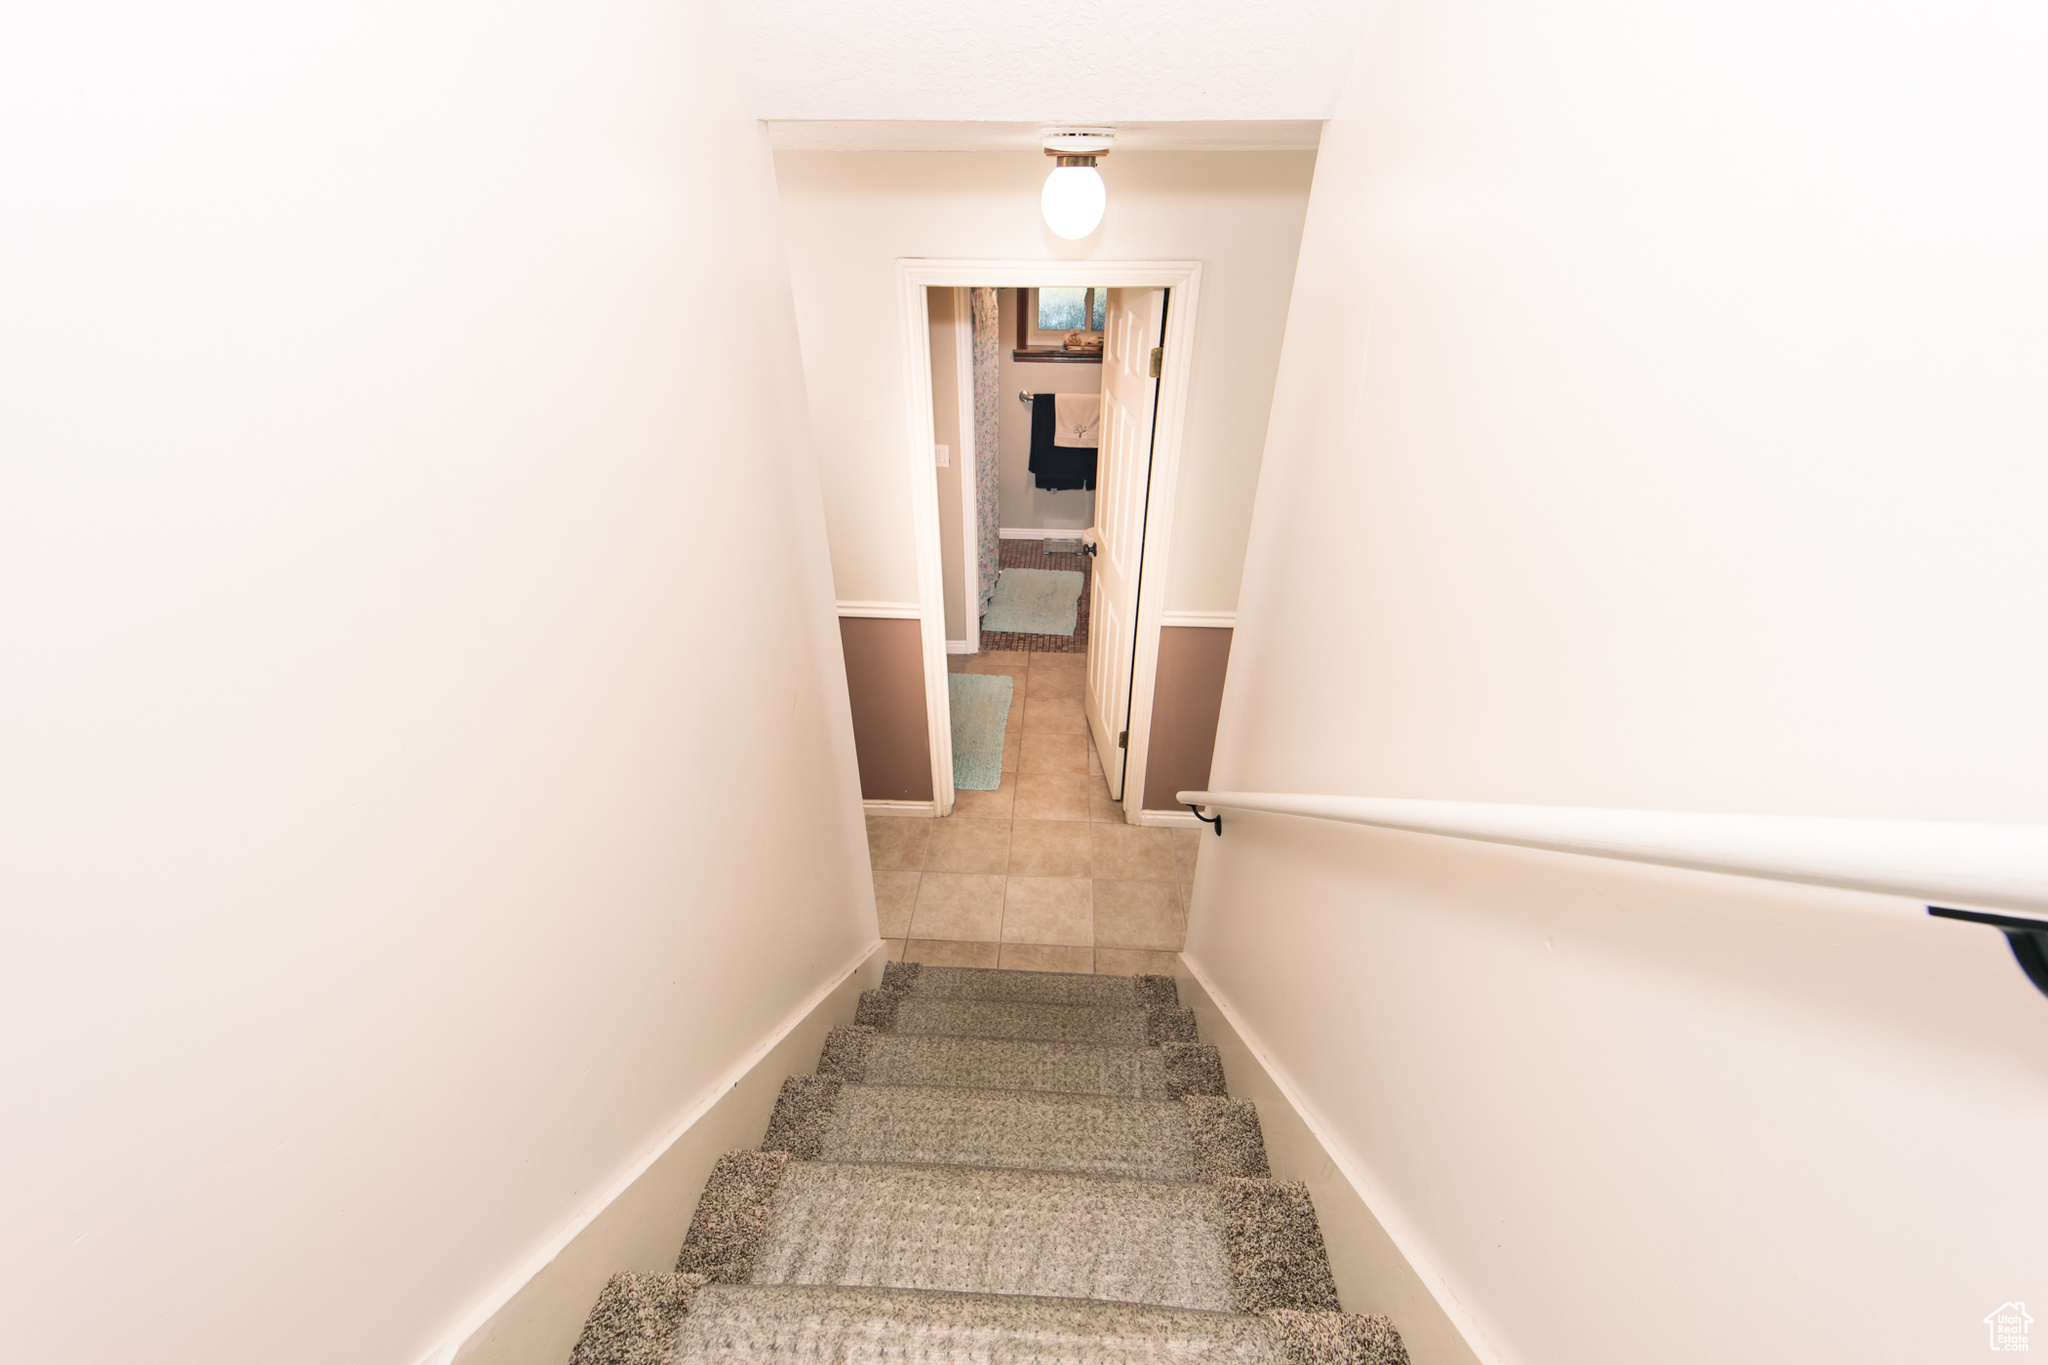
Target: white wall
{"points": [[848, 216], [401, 783], [1659, 426], [1024, 504]]}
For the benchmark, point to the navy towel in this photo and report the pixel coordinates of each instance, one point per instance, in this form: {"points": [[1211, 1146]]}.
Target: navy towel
{"points": [[1056, 467]]}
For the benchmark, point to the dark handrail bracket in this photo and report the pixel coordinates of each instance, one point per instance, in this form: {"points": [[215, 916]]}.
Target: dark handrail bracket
{"points": [[2029, 939], [1216, 820]]}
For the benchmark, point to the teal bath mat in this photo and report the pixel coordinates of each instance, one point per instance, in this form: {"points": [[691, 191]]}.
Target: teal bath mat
{"points": [[1035, 602], [981, 713]]}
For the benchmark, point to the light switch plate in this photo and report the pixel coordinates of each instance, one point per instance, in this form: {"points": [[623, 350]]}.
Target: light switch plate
{"points": [[942, 456]]}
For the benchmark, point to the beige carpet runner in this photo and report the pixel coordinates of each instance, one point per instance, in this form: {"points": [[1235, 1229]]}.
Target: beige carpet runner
{"points": [[1019, 1168]]}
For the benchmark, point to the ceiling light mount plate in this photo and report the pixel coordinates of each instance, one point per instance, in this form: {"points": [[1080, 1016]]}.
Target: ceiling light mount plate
{"points": [[1088, 142]]}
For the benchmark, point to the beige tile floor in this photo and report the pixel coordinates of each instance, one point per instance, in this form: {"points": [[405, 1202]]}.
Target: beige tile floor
{"points": [[1042, 874]]}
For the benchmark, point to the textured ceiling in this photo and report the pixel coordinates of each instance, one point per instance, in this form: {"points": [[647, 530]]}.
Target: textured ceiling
{"points": [[1064, 61]]}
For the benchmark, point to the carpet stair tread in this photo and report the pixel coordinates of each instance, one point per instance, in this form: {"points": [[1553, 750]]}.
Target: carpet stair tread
{"points": [[1022, 1020], [978, 1230], [1007, 1064], [1099, 1134], [1042, 988], [1000, 1167], [858, 1325]]}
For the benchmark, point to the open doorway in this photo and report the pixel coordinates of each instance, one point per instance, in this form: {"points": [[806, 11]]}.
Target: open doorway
{"points": [[1047, 401], [1048, 380]]}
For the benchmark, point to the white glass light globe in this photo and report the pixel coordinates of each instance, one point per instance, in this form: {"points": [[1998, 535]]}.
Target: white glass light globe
{"points": [[1073, 200]]}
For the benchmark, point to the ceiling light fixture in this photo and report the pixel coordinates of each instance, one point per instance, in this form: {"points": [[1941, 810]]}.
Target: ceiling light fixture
{"points": [[1073, 198]]}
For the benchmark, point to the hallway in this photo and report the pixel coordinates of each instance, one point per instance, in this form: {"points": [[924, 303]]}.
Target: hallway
{"points": [[1043, 873]]}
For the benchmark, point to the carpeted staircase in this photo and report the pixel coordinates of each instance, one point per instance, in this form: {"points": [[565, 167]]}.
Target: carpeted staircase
{"points": [[999, 1166]]}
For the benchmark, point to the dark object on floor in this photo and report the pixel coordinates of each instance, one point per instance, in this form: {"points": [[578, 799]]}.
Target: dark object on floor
{"points": [[999, 1166], [1056, 468]]}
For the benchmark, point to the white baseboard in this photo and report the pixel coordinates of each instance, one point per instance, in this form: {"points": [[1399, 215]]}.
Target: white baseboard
{"points": [[1215, 620], [1082, 533], [1375, 1259], [927, 809], [960, 647], [888, 611], [637, 1222], [1166, 819]]}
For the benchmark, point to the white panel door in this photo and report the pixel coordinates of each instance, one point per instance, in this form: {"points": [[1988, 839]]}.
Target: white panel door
{"points": [[1123, 472]]}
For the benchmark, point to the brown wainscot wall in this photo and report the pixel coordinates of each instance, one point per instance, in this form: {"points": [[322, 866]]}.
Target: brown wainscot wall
{"points": [[1185, 704], [885, 681]]}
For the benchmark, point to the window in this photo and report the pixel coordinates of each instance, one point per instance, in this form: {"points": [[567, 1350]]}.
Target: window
{"points": [[1047, 317], [1070, 309]]}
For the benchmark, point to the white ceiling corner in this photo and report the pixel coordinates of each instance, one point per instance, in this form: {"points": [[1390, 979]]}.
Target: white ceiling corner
{"points": [[1032, 62]]}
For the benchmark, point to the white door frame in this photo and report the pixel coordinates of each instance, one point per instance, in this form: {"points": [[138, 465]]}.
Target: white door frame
{"points": [[916, 274]]}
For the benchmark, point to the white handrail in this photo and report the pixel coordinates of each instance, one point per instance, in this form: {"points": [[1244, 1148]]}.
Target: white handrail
{"points": [[2002, 867]]}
